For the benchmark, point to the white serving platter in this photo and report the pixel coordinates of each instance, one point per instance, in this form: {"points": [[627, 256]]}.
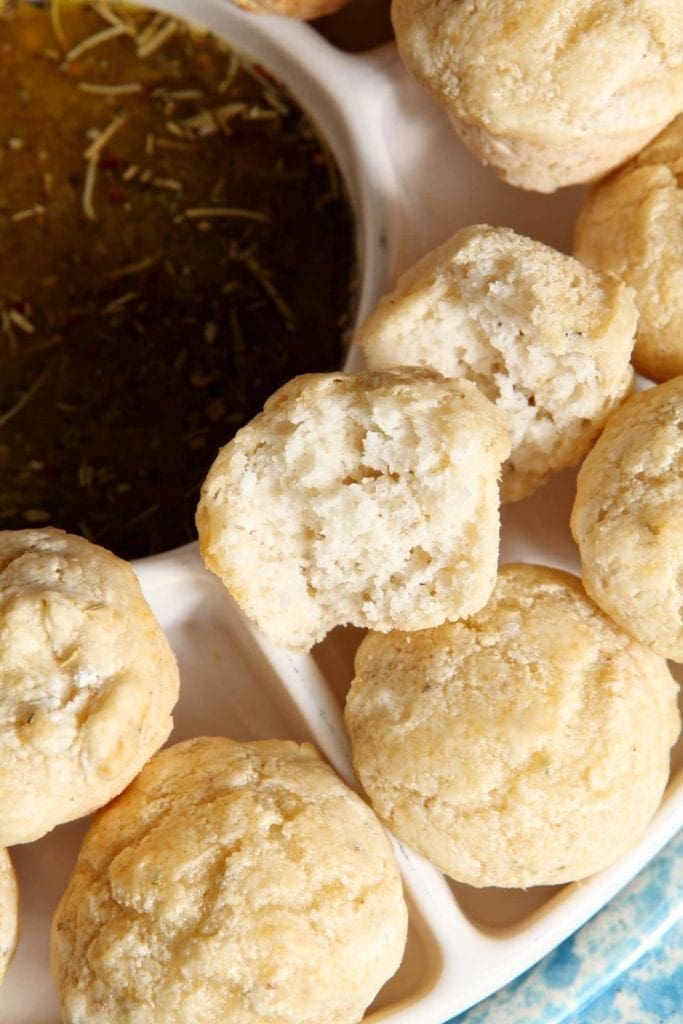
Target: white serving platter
{"points": [[412, 184]]}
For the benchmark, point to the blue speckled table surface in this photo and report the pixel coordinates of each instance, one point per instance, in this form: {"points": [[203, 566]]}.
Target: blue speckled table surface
{"points": [[624, 966]]}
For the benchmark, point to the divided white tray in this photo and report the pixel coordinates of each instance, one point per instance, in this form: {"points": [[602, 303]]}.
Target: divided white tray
{"points": [[412, 184]]}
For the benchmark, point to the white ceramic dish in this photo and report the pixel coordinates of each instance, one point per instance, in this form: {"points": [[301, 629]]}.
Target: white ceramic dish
{"points": [[412, 185]]}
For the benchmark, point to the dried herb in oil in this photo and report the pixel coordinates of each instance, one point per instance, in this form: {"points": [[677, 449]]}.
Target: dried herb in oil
{"points": [[175, 243]]}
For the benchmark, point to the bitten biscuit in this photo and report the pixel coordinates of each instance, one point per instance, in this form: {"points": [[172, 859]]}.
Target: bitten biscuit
{"points": [[543, 337], [368, 498], [527, 745], [230, 883], [553, 92], [631, 224], [87, 680], [628, 518], [9, 912]]}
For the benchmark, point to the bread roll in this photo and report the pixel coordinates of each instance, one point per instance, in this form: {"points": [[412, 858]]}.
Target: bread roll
{"points": [[87, 680], [9, 912], [303, 10], [548, 341], [631, 224], [230, 883], [368, 498], [526, 745], [628, 518], [553, 92]]}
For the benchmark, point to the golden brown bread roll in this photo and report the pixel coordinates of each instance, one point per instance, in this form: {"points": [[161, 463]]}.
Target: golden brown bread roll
{"points": [[631, 224], [87, 680], [526, 745], [230, 882], [628, 518], [552, 92]]}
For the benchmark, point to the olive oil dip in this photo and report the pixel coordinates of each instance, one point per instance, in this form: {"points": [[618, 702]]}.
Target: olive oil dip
{"points": [[175, 243]]}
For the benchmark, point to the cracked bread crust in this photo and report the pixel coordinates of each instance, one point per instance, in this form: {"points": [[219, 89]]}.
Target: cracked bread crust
{"points": [[550, 93], [239, 882], [628, 518], [87, 680], [527, 745], [369, 498], [546, 339], [9, 912]]}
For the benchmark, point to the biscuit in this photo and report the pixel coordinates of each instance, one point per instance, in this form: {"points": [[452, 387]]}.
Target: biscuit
{"points": [[527, 745], [543, 337], [87, 680], [232, 882], [9, 912], [631, 224], [550, 93], [368, 498], [628, 518]]}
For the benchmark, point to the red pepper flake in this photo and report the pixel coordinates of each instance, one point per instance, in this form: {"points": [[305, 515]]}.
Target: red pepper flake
{"points": [[114, 193]]}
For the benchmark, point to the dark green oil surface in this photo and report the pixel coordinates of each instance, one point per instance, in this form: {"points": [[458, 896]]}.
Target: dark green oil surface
{"points": [[133, 345]]}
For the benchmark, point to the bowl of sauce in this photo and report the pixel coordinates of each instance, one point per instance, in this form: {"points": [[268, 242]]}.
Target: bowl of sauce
{"points": [[176, 241]]}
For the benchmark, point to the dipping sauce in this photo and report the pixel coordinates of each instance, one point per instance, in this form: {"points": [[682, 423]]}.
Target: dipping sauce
{"points": [[175, 243]]}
